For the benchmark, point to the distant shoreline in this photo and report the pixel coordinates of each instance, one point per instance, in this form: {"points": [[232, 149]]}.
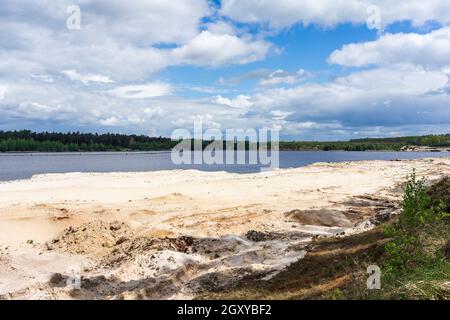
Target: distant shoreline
{"points": [[436, 150], [71, 153], [27, 141]]}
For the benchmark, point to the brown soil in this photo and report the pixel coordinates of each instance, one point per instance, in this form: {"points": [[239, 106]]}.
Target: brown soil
{"points": [[131, 248], [441, 192], [322, 217], [93, 238]]}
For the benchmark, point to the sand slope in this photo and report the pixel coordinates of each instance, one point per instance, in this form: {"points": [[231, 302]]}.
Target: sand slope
{"points": [[169, 234]]}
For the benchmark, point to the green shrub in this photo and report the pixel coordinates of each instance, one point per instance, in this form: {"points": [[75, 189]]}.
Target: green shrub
{"points": [[414, 252]]}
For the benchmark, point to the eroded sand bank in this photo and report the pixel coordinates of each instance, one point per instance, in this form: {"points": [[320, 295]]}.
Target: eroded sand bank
{"points": [[172, 234]]}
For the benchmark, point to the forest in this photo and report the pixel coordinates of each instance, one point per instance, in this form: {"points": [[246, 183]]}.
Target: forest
{"points": [[25, 140], [28, 141], [372, 144]]}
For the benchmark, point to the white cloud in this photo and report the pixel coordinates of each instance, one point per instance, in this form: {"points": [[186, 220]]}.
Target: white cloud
{"points": [[86, 78], [116, 40], [3, 90], [205, 89], [218, 49], [139, 21], [307, 125], [365, 85], [430, 50], [148, 90], [111, 121], [75, 107], [152, 113], [43, 77], [286, 13], [127, 42], [278, 77], [282, 77], [206, 119], [240, 102], [36, 107], [148, 21], [279, 114], [373, 103]]}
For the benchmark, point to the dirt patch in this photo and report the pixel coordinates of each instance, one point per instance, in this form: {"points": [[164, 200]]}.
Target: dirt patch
{"points": [[260, 236], [257, 236], [159, 233], [321, 217], [441, 192], [365, 207], [214, 248], [130, 249], [93, 238], [114, 242]]}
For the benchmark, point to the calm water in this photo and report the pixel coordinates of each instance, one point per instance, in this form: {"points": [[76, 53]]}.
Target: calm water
{"points": [[23, 166]]}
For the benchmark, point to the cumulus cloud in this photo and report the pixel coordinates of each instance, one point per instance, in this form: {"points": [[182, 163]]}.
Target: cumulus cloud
{"points": [[431, 50], [117, 40], [372, 102], [105, 75], [377, 102], [286, 13], [55, 106], [218, 49], [360, 99], [37, 41], [240, 102], [116, 56]]}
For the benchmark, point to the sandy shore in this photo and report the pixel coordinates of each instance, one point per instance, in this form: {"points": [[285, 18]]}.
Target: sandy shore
{"points": [[172, 234]]}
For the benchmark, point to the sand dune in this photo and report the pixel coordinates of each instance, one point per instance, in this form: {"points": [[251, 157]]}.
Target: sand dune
{"points": [[171, 234]]}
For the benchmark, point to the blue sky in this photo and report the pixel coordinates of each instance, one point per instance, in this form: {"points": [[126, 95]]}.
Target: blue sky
{"points": [[313, 70]]}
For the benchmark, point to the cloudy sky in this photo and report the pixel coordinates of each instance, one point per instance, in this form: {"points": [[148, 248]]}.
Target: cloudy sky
{"points": [[317, 70]]}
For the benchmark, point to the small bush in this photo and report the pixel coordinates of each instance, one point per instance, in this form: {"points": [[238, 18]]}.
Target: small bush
{"points": [[415, 252]]}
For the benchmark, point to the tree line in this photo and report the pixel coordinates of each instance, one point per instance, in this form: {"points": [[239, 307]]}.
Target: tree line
{"points": [[26, 140], [371, 144]]}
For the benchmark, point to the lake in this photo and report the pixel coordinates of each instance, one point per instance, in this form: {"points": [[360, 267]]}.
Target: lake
{"points": [[14, 166]]}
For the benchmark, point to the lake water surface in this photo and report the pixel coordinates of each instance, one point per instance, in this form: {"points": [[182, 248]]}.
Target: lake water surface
{"points": [[25, 165]]}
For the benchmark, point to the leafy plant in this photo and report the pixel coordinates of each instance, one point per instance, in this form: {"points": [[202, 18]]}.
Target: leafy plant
{"points": [[414, 253]]}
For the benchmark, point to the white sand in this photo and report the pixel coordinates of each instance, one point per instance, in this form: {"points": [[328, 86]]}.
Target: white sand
{"points": [[175, 203]]}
